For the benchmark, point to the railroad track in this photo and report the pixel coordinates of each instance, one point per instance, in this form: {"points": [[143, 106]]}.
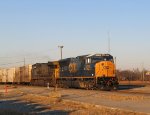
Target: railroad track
{"points": [[120, 90], [135, 92]]}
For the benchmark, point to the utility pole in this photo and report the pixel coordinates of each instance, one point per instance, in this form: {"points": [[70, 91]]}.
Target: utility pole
{"points": [[60, 50], [108, 42], [24, 61], [143, 76], [115, 61], [143, 73], [24, 68]]}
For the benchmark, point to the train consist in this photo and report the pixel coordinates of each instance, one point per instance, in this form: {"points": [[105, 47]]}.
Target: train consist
{"points": [[87, 71]]}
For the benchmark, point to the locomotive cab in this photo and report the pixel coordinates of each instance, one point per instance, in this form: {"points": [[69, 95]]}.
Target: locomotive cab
{"points": [[105, 75]]}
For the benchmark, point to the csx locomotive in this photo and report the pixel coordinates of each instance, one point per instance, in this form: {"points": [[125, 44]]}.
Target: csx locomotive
{"points": [[95, 71]]}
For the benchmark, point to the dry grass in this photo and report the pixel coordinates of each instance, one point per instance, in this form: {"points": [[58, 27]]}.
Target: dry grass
{"points": [[52, 99], [89, 109], [117, 97], [54, 102], [104, 111]]}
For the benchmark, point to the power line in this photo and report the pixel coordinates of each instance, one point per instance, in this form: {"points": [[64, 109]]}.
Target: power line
{"points": [[12, 57], [11, 63], [54, 49], [30, 58], [25, 60]]}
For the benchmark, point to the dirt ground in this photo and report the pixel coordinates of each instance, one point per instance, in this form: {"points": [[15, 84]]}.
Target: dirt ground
{"points": [[41, 100], [135, 82]]}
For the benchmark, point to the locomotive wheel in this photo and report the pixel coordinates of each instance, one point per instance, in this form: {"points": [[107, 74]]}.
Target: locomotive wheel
{"points": [[87, 86], [102, 87], [90, 86], [115, 87]]}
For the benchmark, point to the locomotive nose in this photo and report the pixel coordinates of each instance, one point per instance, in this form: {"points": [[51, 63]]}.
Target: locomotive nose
{"points": [[105, 68]]}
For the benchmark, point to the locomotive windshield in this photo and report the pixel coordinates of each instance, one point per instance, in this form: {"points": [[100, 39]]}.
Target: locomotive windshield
{"points": [[108, 58], [96, 58]]}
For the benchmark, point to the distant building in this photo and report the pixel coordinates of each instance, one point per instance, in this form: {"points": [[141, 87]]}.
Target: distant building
{"points": [[148, 73]]}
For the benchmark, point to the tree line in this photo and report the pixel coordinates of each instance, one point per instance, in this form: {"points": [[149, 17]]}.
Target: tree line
{"points": [[133, 75]]}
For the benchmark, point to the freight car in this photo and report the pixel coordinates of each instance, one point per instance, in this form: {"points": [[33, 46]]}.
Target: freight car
{"points": [[3, 74], [19, 75], [10, 75], [25, 74]]}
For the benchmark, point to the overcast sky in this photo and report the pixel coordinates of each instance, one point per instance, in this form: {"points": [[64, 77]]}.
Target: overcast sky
{"points": [[34, 28]]}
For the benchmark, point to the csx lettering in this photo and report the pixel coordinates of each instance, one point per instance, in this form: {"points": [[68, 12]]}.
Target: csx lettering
{"points": [[106, 67]]}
